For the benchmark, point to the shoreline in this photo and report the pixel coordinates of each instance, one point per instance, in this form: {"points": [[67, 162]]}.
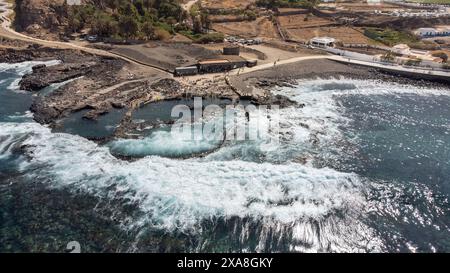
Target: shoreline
{"points": [[102, 84], [314, 69]]}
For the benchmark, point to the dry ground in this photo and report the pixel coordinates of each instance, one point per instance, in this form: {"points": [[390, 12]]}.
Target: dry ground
{"points": [[165, 55], [303, 27], [303, 21], [225, 4], [347, 35], [262, 27]]}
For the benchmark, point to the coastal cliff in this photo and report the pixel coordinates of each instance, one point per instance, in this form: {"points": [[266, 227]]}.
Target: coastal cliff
{"points": [[40, 18]]}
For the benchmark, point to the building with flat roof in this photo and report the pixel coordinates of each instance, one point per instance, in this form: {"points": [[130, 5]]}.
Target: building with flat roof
{"points": [[433, 31], [186, 71], [227, 63], [322, 41]]}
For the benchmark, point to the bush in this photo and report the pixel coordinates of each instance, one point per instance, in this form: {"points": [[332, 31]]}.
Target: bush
{"points": [[126, 19], [162, 34], [211, 38], [204, 38], [441, 55], [250, 15], [389, 36], [413, 62]]}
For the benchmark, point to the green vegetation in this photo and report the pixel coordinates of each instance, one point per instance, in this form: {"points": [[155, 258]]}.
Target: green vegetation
{"points": [[388, 57], [413, 62], [204, 38], [271, 4], [389, 36], [137, 19]]}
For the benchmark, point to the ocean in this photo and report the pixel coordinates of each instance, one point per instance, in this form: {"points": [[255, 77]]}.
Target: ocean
{"points": [[364, 166]]}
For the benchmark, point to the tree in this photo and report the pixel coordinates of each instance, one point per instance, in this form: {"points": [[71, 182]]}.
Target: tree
{"points": [[206, 22], [148, 4], [104, 25], [74, 24], [148, 30], [129, 10], [169, 9], [140, 7], [114, 5], [128, 26], [312, 4], [197, 24]]}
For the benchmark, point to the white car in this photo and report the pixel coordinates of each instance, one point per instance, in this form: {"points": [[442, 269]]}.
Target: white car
{"points": [[92, 38]]}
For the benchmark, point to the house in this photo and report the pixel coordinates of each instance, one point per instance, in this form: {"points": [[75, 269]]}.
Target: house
{"points": [[322, 41], [214, 66], [185, 71], [374, 2], [401, 49], [74, 2], [432, 32], [407, 54], [443, 30], [221, 65], [425, 31], [231, 50]]}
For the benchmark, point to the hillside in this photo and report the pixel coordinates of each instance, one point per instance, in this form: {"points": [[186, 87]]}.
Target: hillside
{"points": [[40, 18], [107, 18]]}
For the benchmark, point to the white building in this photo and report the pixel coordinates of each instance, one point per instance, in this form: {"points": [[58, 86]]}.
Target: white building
{"points": [[431, 32], [401, 49], [322, 41], [425, 31], [407, 54], [73, 2], [374, 2]]}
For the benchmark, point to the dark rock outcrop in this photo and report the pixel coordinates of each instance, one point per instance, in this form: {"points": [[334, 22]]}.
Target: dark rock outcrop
{"points": [[44, 76], [40, 16]]}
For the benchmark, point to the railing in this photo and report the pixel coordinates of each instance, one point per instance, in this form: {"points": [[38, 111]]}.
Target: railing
{"points": [[368, 58]]}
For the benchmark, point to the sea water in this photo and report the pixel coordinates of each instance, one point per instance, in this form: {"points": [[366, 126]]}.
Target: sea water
{"points": [[363, 167]]}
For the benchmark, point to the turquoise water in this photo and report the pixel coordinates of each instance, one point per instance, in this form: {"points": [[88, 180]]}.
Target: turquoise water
{"points": [[363, 167]]}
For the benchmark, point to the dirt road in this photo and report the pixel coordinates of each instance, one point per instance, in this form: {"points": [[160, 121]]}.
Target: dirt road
{"points": [[8, 32], [187, 7]]}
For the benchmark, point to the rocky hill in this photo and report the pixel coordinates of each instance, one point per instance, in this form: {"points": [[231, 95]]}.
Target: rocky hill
{"points": [[40, 18]]}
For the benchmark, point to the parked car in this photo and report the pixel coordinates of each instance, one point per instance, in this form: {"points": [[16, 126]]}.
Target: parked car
{"points": [[92, 38]]}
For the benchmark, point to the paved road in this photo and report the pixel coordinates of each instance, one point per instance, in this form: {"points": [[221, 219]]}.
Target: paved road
{"points": [[398, 68]]}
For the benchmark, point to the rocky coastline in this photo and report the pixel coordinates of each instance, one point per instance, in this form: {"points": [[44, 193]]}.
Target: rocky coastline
{"points": [[98, 85]]}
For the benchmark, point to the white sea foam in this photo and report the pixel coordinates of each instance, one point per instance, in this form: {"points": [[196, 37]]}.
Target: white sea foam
{"points": [[23, 68], [54, 86], [285, 198], [163, 143], [180, 194]]}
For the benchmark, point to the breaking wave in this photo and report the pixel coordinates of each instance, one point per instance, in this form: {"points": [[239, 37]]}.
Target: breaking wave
{"points": [[20, 69], [162, 143], [311, 207], [180, 194]]}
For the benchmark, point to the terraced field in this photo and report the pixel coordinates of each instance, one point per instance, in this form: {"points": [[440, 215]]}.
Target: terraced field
{"points": [[262, 27], [227, 4]]}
